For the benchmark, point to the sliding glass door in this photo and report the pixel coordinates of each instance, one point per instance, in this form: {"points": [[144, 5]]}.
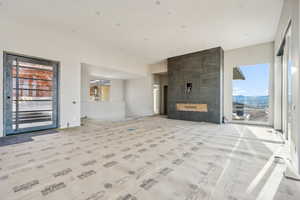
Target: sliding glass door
{"points": [[30, 94], [287, 101]]}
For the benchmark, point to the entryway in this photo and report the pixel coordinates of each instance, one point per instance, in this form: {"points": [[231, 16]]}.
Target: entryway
{"points": [[30, 94]]}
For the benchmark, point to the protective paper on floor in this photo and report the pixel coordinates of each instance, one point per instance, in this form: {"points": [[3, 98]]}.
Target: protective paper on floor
{"points": [[151, 158]]}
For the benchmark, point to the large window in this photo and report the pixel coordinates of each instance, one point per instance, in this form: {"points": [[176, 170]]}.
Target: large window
{"points": [[251, 93]]}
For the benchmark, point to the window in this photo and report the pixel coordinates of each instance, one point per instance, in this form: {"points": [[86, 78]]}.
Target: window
{"points": [[100, 90], [251, 93]]}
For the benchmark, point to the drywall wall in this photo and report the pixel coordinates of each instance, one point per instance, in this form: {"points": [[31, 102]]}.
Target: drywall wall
{"points": [[159, 67], [290, 13], [70, 51], [252, 55], [114, 109], [204, 71], [139, 96]]}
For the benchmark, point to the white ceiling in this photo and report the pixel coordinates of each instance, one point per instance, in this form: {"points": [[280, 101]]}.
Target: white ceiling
{"points": [[153, 29]]}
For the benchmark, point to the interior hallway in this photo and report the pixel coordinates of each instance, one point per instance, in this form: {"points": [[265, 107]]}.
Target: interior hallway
{"points": [[147, 158]]}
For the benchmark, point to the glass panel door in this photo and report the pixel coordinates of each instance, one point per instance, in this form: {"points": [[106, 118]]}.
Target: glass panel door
{"points": [[30, 94]]}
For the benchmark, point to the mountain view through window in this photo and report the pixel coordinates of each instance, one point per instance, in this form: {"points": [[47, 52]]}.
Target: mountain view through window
{"points": [[251, 93]]}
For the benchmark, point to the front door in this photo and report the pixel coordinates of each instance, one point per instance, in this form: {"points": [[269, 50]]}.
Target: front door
{"points": [[30, 94]]}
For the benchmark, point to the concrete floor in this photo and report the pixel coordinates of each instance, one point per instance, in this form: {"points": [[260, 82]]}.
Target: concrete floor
{"points": [[146, 159]]}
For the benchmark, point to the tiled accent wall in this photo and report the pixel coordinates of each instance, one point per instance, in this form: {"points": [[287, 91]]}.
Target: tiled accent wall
{"points": [[203, 71]]}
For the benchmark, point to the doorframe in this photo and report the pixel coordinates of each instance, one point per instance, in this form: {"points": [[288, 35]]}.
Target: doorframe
{"points": [[57, 63], [284, 81]]}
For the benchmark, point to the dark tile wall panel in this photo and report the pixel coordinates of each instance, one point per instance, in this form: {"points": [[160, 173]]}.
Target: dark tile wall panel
{"points": [[204, 70]]}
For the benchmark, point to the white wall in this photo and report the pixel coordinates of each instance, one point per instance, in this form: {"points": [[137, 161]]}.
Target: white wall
{"points": [[117, 90], [290, 11], [139, 96], [257, 54], [70, 52], [114, 109]]}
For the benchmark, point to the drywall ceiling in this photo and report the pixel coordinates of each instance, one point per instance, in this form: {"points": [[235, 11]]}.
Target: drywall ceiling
{"points": [[152, 30]]}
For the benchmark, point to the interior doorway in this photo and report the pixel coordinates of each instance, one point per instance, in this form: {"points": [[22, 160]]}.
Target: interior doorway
{"points": [[166, 100], [30, 94], [156, 98]]}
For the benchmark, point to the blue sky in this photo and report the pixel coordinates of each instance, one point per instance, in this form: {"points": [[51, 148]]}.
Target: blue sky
{"points": [[256, 83]]}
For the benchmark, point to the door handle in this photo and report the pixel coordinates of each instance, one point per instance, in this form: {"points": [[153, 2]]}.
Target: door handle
{"points": [[8, 97]]}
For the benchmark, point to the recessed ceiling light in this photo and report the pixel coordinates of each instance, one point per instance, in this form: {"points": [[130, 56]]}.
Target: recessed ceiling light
{"points": [[157, 2], [98, 13]]}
